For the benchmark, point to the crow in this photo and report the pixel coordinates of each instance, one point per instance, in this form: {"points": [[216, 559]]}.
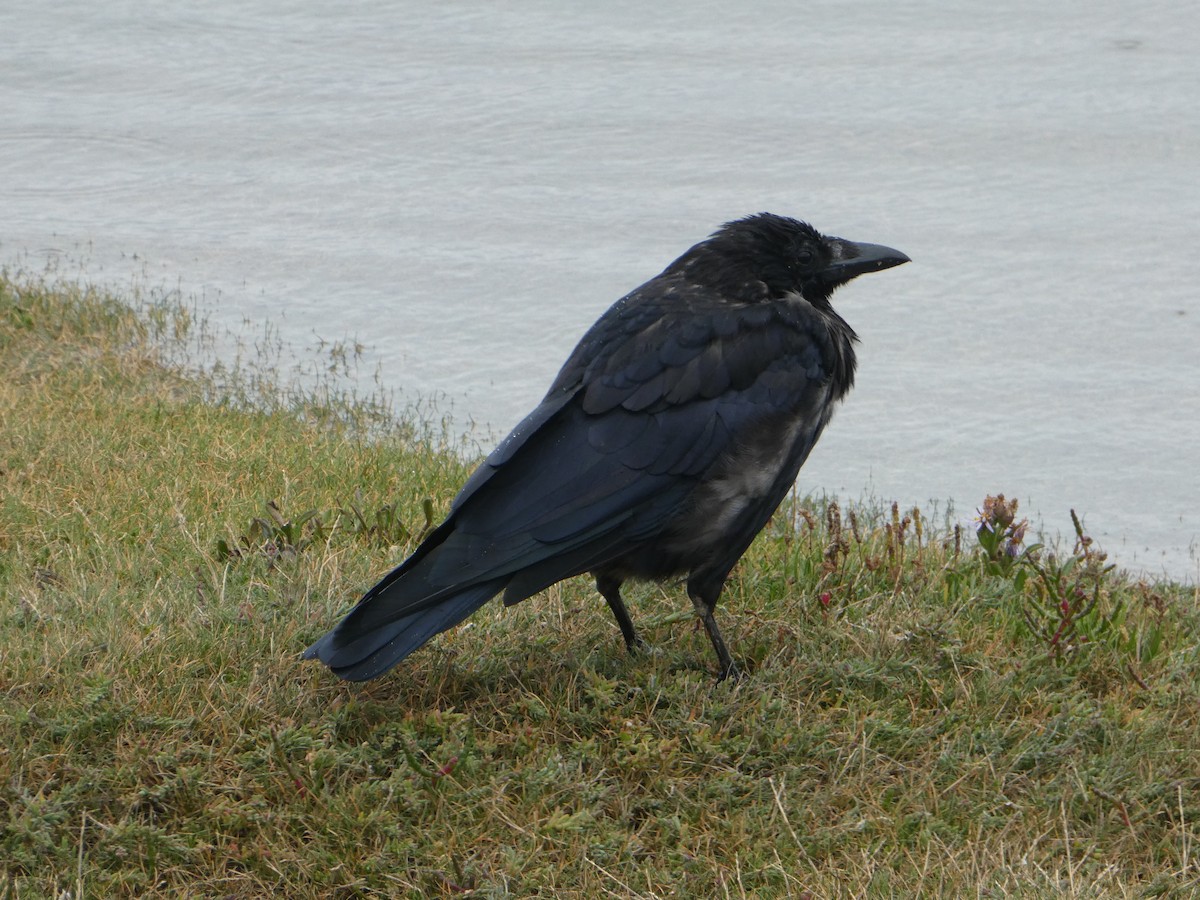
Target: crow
{"points": [[672, 433]]}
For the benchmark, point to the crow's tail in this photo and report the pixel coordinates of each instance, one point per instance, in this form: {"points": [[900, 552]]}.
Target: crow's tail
{"points": [[378, 633]]}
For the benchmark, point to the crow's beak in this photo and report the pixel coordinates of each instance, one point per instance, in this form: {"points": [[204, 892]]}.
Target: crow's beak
{"points": [[852, 259]]}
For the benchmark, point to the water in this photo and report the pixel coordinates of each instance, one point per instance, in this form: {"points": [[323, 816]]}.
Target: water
{"points": [[466, 186]]}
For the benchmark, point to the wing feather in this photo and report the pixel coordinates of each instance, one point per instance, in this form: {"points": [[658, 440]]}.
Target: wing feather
{"points": [[654, 396]]}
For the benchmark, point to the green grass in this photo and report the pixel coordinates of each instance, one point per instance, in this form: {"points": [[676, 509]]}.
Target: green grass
{"points": [[922, 716]]}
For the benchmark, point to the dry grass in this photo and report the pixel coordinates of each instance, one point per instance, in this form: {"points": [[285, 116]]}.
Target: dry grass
{"points": [[908, 726]]}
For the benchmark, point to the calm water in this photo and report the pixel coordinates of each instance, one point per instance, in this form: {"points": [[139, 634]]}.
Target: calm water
{"points": [[466, 186]]}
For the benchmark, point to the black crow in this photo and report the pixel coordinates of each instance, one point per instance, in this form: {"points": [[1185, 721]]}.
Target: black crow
{"points": [[670, 436]]}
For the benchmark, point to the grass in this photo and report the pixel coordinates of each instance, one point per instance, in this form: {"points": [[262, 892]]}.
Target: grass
{"points": [[926, 713]]}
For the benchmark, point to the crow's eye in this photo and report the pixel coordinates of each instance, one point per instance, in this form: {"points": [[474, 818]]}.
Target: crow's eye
{"points": [[805, 257]]}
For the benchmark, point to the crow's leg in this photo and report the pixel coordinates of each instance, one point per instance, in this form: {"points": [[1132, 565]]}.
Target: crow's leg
{"points": [[704, 594], [610, 590]]}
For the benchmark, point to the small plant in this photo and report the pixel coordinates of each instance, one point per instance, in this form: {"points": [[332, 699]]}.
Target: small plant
{"points": [[896, 536], [1063, 607], [385, 527], [274, 535], [838, 546], [1001, 535], [1062, 600]]}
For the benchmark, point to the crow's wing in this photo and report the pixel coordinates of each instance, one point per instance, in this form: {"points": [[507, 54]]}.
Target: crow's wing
{"points": [[658, 391]]}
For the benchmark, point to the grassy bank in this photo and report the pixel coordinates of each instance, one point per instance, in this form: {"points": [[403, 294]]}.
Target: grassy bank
{"points": [[925, 715]]}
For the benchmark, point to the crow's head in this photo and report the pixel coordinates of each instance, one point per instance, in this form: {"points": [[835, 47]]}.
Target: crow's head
{"points": [[766, 257]]}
